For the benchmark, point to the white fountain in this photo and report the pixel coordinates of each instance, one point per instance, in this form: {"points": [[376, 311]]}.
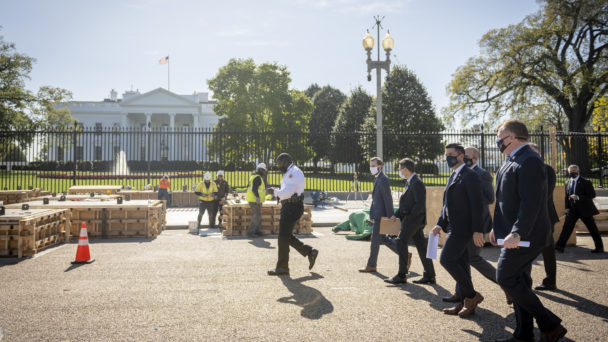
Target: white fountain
{"points": [[120, 164]]}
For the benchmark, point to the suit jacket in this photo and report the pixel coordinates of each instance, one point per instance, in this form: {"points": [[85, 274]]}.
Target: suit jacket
{"points": [[551, 179], [412, 204], [487, 190], [382, 201], [521, 199], [584, 206], [464, 203]]}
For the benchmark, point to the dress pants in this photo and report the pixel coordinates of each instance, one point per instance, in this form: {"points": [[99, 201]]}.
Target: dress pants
{"points": [[290, 214], [400, 246], [480, 264], [513, 275], [550, 262], [256, 219], [374, 246], [210, 208], [455, 259], [570, 222]]}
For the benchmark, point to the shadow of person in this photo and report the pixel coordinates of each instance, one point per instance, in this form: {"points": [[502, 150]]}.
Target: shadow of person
{"points": [[422, 292], [261, 243], [492, 325], [314, 304], [580, 303]]}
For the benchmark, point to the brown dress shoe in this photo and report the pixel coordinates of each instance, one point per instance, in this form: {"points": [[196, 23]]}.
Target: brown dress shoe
{"points": [[553, 335], [509, 299], [454, 299], [453, 311], [409, 260], [367, 269], [470, 304]]}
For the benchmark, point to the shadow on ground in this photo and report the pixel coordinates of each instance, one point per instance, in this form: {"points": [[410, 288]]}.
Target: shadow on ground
{"points": [[314, 304]]}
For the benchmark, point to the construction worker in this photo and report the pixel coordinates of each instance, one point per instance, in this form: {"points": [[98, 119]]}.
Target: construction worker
{"points": [[223, 189], [206, 192], [163, 189], [256, 191]]}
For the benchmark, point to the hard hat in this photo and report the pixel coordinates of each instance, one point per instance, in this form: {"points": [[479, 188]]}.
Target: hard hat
{"points": [[166, 176], [261, 166], [207, 176], [220, 173]]}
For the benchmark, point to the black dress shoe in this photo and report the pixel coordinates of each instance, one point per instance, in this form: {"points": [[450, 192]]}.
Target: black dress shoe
{"points": [[545, 287], [559, 249], [278, 271], [425, 280], [312, 257], [513, 339], [553, 335], [396, 280], [454, 299], [597, 251]]}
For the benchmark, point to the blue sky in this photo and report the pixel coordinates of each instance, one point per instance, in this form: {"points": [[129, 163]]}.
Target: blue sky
{"points": [[90, 47]]}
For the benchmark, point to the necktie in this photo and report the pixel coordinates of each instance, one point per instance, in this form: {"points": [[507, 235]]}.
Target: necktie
{"points": [[445, 197], [573, 187]]}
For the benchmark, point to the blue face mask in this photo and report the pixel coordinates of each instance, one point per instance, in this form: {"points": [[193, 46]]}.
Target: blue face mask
{"points": [[468, 161], [451, 160]]}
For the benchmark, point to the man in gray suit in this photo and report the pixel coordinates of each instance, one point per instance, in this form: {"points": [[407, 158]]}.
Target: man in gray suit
{"points": [[382, 206], [471, 158]]}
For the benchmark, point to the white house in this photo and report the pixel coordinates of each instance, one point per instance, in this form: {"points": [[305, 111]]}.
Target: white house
{"points": [[158, 110]]}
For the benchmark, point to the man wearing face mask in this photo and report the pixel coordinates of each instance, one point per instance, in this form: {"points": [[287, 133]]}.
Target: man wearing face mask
{"points": [[382, 206], [579, 204], [291, 195], [471, 157], [461, 218], [521, 215], [412, 213]]}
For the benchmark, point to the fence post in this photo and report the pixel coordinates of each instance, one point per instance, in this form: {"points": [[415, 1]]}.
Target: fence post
{"points": [[148, 151], [600, 155], [542, 142], [74, 153], [553, 139], [483, 149]]}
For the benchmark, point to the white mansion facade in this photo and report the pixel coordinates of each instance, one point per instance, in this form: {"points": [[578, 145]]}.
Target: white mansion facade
{"points": [[158, 110]]}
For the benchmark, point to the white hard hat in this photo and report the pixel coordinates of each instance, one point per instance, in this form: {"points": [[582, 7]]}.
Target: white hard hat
{"points": [[261, 166], [207, 176], [220, 173]]}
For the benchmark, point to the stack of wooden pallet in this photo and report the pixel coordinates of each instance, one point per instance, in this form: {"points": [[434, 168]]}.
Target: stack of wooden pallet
{"points": [[236, 218], [107, 219], [18, 196], [26, 232], [103, 189]]}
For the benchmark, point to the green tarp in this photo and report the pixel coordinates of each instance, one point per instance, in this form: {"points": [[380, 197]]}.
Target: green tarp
{"points": [[357, 222]]}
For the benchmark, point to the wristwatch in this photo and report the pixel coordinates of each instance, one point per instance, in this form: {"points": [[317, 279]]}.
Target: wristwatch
{"points": [[515, 235]]}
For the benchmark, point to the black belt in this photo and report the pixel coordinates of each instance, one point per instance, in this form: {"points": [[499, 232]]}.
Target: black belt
{"points": [[294, 199]]}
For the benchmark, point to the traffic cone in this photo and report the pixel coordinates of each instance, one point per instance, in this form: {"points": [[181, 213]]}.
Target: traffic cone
{"points": [[83, 256]]}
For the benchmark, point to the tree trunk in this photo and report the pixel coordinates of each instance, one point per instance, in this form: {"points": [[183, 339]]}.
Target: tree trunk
{"points": [[577, 148]]}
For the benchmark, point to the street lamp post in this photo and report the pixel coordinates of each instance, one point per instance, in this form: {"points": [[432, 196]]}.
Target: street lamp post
{"points": [[387, 45]]}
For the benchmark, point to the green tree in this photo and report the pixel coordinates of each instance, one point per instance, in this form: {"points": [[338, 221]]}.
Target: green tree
{"points": [[407, 111], [255, 98], [327, 102], [555, 58], [50, 108], [345, 138], [312, 90], [598, 154]]}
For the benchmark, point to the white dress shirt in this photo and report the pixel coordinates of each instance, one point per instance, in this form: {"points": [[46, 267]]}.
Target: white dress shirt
{"points": [[292, 183]]}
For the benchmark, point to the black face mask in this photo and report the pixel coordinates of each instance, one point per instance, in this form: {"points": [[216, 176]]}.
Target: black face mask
{"points": [[468, 162], [283, 168], [451, 160], [573, 174], [502, 147]]}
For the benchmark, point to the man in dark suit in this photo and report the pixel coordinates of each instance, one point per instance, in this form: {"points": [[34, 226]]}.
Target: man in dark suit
{"points": [[550, 281], [461, 218], [521, 215], [412, 213], [471, 158], [579, 204], [382, 206]]}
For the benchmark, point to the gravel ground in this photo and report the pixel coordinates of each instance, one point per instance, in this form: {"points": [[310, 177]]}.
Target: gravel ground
{"points": [[181, 287]]}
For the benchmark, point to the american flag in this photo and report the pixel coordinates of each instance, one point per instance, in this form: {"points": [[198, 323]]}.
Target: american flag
{"points": [[164, 60]]}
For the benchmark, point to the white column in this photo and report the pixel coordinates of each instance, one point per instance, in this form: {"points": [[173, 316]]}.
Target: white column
{"points": [[195, 120], [172, 140], [148, 127], [123, 120], [148, 119]]}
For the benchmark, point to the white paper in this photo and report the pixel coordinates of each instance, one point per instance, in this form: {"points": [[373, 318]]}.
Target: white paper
{"points": [[501, 242], [431, 249]]}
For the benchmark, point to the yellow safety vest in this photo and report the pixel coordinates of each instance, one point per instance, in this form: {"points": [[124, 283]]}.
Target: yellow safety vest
{"points": [[207, 192], [261, 190]]}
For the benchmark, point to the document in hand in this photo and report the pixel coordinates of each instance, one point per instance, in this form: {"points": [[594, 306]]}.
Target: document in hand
{"points": [[431, 249], [501, 242]]}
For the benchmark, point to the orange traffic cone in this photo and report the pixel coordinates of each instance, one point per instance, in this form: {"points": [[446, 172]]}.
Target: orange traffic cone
{"points": [[82, 253]]}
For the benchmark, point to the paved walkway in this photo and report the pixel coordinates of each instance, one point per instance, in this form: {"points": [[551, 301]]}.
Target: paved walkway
{"points": [[182, 287]]}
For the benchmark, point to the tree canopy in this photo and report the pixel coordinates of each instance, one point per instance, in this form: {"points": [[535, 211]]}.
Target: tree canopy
{"points": [[327, 102], [550, 68]]}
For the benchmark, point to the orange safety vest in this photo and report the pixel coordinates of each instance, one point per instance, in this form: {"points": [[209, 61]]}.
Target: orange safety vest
{"points": [[164, 184]]}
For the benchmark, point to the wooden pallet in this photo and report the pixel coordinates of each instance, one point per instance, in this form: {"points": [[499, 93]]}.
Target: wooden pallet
{"points": [[18, 196], [236, 218], [107, 219], [27, 232], [86, 189]]}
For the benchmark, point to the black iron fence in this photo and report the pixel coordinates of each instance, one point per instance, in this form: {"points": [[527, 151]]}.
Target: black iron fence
{"points": [[137, 158]]}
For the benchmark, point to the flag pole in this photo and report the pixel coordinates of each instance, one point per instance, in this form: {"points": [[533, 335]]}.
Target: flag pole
{"points": [[168, 74]]}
